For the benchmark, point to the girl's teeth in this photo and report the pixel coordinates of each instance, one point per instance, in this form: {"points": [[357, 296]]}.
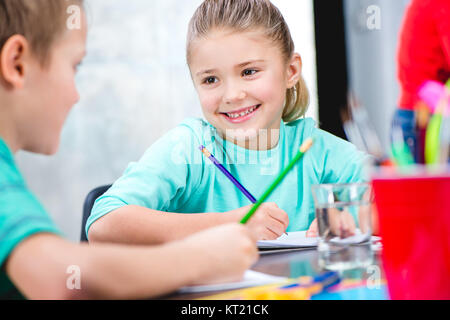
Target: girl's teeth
{"points": [[234, 116]]}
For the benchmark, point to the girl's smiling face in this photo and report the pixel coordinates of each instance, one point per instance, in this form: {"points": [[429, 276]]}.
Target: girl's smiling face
{"points": [[241, 79]]}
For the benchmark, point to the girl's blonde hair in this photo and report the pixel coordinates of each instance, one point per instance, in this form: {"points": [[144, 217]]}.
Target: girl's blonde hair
{"points": [[246, 15]]}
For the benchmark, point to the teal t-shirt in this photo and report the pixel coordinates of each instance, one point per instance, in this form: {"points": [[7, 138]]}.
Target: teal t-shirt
{"points": [[21, 215], [174, 176]]}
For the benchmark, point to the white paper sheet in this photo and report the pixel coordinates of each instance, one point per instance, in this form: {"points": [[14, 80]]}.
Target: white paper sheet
{"points": [[299, 240], [291, 240], [251, 278], [357, 238]]}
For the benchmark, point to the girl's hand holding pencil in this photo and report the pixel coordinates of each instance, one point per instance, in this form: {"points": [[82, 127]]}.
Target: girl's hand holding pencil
{"points": [[300, 153], [271, 222], [266, 220], [268, 223]]}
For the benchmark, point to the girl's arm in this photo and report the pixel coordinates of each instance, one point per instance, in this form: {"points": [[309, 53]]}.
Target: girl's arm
{"points": [[139, 225], [167, 176], [47, 267]]}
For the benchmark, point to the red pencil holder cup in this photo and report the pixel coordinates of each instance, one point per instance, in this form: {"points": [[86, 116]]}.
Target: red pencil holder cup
{"points": [[414, 221]]}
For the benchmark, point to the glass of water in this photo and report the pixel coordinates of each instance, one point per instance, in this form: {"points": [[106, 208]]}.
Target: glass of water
{"points": [[344, 219]]}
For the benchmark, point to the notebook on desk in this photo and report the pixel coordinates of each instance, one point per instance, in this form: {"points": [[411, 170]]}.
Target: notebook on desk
{"points": [[251, 279], [292, 240], [298, 240]]}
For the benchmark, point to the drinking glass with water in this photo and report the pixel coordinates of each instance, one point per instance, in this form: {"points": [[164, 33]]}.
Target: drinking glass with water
{"points": [[344, 219]]}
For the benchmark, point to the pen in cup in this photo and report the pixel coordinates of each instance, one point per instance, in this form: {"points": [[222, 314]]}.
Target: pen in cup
{"points": [[436, 96], [400, 150]]}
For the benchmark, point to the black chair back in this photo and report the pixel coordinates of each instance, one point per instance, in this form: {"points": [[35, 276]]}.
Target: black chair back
{"points": [[87, 208]]}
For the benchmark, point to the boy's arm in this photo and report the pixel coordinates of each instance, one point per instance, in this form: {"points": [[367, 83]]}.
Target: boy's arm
{"points": [[45, 266]]}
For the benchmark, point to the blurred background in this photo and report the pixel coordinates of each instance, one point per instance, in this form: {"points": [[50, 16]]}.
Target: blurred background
{"points": [[135, 85]]}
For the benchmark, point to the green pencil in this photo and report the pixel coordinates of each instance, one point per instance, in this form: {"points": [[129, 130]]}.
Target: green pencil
{"points": [[305, 147]]}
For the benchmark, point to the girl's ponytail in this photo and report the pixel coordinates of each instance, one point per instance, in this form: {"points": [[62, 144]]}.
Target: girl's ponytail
{"points": [[297, 102]]}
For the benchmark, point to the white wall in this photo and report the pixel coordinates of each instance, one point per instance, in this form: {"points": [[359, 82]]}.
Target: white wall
{"points": [[134, 86]]}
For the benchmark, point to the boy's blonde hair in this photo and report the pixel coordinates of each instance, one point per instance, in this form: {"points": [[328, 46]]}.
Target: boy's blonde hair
{"points": [[245, 15], [39, 21]]}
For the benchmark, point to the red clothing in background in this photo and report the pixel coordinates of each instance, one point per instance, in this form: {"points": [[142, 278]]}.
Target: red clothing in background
{"points": [[424, 52]]}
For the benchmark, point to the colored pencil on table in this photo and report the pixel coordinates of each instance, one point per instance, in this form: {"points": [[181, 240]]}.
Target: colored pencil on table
{"points": [[303, 149], [227, 174], [301, 288]]}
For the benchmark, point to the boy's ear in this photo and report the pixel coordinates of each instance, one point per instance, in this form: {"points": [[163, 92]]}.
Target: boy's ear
{"points": [[294, 70], [12, 60]]}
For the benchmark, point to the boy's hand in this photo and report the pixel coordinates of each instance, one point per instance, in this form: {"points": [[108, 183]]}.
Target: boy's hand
{"points": [[229, 251], [268, 223]]}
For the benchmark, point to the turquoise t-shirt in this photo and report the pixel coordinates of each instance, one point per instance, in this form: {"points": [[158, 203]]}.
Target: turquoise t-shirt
{"points": [[174, 176], [21, 215]]}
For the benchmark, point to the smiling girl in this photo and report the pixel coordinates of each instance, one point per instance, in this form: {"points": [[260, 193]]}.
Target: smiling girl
{"points": [[248, 78]]}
